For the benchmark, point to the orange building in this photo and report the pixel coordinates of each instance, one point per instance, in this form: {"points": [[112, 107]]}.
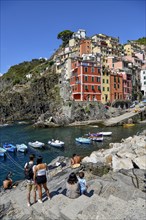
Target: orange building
{"points": [[85, 47], [116, 86], [85, 81]]}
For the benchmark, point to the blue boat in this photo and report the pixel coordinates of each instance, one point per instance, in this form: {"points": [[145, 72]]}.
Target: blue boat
{"points": [[82, 140], [2, 152], [9, 147]]}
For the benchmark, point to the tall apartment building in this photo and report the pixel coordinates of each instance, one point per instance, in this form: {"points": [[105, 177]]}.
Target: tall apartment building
{"points": [[85, 81]]}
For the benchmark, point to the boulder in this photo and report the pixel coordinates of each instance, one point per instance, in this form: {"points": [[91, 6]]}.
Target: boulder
{"points": [[121, 163]]}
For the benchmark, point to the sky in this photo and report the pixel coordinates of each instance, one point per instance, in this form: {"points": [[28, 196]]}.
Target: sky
{"points": [[29, 28]]}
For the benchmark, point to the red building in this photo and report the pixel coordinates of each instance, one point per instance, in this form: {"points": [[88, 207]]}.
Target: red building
{"points": [[85, 81], [116, 86]]}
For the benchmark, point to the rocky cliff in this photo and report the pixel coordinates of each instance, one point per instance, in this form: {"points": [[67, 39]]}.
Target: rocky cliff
{"points": [[34, 91]]}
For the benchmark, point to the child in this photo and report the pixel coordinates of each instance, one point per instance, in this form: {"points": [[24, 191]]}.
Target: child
{"points": [[82, 182]]}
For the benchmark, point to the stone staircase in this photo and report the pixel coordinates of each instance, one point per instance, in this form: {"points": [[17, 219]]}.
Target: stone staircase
{"points": [[90, 208]]}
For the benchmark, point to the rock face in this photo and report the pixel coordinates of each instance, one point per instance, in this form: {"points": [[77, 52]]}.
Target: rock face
{"points": [[46, 96], [110, 195]]}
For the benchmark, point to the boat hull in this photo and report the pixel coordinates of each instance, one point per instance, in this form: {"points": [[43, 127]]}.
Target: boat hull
{"points": [[128, 125], [36, 144], [9, 147], [83, 140]]}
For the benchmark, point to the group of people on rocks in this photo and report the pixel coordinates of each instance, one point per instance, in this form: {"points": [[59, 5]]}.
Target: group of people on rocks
{"points": [[36, 178]]}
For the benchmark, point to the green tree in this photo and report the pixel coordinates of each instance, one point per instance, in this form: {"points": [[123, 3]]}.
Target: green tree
{"points": [[65, 36]]}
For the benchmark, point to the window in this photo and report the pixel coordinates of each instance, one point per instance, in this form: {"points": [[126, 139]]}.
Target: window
{"points": [[92, 70], [86, 69], [144, 72], [115, 95], [92, 79], [92, 87], [107, 81], [144, 82], [86, 78], [103, 89], [118, 80], [103, 80], [99, 88], [115, 86], [144, 77], [86, 87], [108, 89], [98, 79], [114, 78], [118, 86], [98, 70]]}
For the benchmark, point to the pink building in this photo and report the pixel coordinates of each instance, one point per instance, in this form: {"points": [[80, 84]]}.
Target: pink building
{"points": [[122, 66]]}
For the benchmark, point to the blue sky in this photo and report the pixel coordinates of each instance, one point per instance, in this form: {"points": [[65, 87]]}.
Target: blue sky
{"points": [[29, 28]]}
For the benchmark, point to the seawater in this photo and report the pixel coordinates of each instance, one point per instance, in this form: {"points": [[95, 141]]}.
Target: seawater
{"points": [[24, 133]]}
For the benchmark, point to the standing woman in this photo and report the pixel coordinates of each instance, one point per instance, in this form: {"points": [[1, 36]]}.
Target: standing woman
{"points": [[40, 177]]}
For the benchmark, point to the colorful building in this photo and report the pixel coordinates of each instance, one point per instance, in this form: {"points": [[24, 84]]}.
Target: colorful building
{"points": [[85, 81], [116, 86]]}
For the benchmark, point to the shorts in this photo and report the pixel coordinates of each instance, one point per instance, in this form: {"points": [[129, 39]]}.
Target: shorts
{"points": [[41, 179], [31, 186]]}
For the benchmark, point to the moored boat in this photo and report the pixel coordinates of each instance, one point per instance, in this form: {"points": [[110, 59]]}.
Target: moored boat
{"points": [[82, 140], [36, 144], [97, 139], [2, 152], [106, 133], [56, 143], [128, 125], [9, 147], [21, 148]]}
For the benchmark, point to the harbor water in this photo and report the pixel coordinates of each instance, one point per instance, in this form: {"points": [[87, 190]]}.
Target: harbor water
{"points": [[24, 133]]}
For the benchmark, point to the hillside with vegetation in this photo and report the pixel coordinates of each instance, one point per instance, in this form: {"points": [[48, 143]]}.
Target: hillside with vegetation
{"points": [[142, 41], [43, 97]]}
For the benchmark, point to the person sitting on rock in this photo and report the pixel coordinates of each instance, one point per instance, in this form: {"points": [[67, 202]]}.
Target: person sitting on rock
{"points": [[7, 183], [75, 161], [82, 183], [72, 186]]}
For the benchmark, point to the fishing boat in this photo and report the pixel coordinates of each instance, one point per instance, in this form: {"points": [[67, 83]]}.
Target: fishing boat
{"points": [[36, 144], [82, 140], [128, 125], [2, 152], [9, 147], [56, 143], [21, 148]]}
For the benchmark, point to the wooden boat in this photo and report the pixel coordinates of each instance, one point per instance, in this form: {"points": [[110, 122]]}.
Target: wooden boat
{"points": [[56, 143], [128, 125], [21, 148], [36, 144], [82, 140], [2, 152]]}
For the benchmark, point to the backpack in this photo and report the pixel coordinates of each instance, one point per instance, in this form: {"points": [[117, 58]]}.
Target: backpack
{"points": [[29, 171]]}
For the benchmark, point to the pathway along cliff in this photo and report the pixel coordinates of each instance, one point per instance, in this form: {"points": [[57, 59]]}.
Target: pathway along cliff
{"points": [[116, 179]]}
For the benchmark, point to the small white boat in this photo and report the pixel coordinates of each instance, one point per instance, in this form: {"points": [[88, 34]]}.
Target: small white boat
{"points": [[82, 140], [97, 139], [21, 148], [36, 144], [56, 143], [2, 152], [108, 133]]}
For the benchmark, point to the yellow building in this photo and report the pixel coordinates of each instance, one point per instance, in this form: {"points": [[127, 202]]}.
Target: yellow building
{"points": [[105, 85]]}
